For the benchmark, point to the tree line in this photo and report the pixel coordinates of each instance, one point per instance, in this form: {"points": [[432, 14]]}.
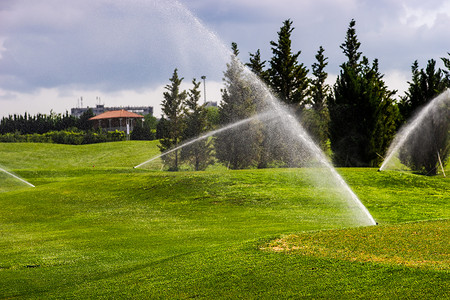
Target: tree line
{"points": [[355, 119], [42, 123]]}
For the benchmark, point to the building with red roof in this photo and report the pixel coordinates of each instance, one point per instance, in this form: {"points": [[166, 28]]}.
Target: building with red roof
{"points": [[121, 120]]}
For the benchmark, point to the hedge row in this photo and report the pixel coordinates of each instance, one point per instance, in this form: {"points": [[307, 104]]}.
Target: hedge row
{"points": [[64, 137]]}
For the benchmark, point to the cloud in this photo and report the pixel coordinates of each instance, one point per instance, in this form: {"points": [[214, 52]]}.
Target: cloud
{"points": [[109, 45], [130, 48]]}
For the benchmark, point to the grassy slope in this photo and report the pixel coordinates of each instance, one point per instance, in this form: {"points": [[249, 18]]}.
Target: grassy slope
{"points": [[109, 230]]}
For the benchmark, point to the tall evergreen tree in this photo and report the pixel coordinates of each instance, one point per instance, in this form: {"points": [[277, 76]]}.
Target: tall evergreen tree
{"points": [[237, 148], [288, 77], [362, 111], [199, 154], [316, 118], [172, 107], [424, 86], [430, 142]]}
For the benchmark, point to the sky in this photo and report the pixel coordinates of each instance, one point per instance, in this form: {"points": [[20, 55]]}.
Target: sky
{"points": [[59, 54]]}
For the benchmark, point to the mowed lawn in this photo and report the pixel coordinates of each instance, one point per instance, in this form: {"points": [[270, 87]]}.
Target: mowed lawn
{"points": [[94, 227]]}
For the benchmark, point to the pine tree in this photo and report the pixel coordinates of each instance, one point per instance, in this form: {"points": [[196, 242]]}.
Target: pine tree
{"points": [[316, 118], [430, 142], [172, 107], [257, 66], [199, 154], [288, 77], [362, 111], [237, 148], [425, 85], [446, 62]]}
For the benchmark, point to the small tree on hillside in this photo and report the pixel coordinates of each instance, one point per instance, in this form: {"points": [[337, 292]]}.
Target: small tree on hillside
{"points": [[172, 107], [362, 111], [199, 154], [422, 150], [237, 148], [424, 86], [316, 118]]}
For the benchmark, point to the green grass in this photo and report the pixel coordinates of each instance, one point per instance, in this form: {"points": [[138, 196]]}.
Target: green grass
{"points": [[95, 227]]}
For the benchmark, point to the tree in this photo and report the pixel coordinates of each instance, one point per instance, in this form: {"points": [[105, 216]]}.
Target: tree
{"points": [[362, 111], [162, 128], [288, 77], [424, 86], [257, 66], [141, 131], [83, 121], [446, 62], [430, 141], [172, 107], [237, 148], [199, 154], [316, 118]]}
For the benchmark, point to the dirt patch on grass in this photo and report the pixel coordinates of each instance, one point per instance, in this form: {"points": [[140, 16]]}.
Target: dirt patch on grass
{"points": [[421, 244]]}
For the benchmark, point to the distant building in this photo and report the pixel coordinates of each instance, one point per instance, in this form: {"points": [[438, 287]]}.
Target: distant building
{"points": [[100, 108], [121, 120]]}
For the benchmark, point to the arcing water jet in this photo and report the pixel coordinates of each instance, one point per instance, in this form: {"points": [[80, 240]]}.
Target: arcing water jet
{"points": [[409, 129], [262, 116], [285, 120], [17, 177]]}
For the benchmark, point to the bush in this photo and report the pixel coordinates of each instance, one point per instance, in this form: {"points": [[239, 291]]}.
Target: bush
{"points": [[64, 137]]}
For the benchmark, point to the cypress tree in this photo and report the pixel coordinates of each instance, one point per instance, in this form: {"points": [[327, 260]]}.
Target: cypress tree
{"points": [[257, 66], [172, 107], [362, 111], [288, 77], [424, 86], [237, 148], [430, 141], [316, 118], [199, 153]]}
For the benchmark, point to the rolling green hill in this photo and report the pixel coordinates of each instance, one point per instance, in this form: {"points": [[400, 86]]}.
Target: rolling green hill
{"points": [[96, 227]]}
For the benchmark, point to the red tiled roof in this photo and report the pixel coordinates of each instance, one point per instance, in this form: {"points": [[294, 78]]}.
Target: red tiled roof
{"points": [[114, 114]]}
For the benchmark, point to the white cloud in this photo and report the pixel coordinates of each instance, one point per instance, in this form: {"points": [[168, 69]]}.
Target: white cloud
{"points": [[120, 50]]}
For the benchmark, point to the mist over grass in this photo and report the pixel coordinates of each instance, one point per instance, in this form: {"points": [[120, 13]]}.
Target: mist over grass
{"points": [[96, 227]]}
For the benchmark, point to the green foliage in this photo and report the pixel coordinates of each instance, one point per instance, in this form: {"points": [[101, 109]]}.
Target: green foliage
{"points": [[141, 131], [238, 148], [257, 66], [212, 117], [40, 123], [431, 140], [288, 77], [316, 119], [362, 111], [70, 137], [423, 87], [446, 62], [198, 154], [172, 107], [83, 122]]}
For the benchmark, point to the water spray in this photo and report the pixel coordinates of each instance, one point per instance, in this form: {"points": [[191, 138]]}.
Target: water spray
{"points": [[277, 110], [406, 131], [261, 116], [17, 177]]}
